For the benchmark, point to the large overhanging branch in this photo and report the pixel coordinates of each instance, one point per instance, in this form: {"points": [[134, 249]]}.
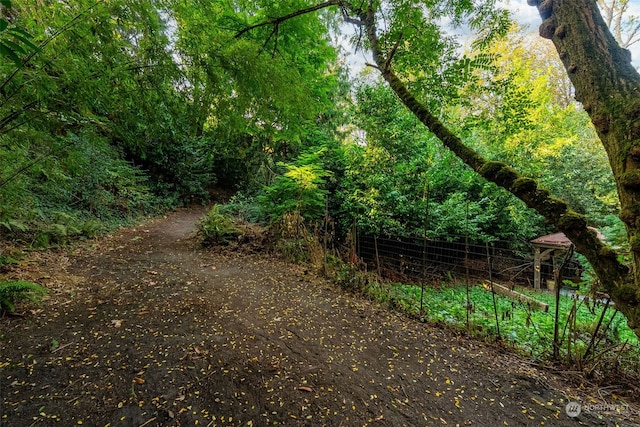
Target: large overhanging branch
{"points": [[275, 22], [603, 259]]}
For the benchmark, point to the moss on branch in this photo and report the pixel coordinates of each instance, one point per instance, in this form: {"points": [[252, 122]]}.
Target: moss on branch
{"points": [[553, 210], [631, 179], [523, 186], [572, 221]]}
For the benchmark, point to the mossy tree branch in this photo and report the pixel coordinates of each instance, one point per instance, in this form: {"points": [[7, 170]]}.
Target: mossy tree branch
{"points": [[623, 149], [608, 86], [604, 260]]}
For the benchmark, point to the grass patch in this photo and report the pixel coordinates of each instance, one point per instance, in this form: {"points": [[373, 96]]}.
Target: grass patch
{"points": [[528, 330]]}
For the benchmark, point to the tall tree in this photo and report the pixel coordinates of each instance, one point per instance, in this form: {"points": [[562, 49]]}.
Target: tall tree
{"points": [[253, 98], [167, 83], [605, 82]]}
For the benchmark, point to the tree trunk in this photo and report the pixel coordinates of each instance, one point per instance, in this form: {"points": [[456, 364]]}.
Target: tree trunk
{"points": [[618, 100], [608, 87]]}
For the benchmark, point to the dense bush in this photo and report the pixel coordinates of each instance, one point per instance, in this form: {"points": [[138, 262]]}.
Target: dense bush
{"points": [[78, 188], [300, 189], [216, 227], [401, 181], [245, 207]]}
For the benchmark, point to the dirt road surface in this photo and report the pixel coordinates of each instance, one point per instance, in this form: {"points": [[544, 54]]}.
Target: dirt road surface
{"points": [[145, 328]]}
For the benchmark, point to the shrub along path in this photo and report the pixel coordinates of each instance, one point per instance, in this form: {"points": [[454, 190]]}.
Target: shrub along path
{"points": [[144, 328]]}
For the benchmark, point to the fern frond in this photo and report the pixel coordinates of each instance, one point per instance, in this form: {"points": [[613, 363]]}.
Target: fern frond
{"points": [[12, 291]]}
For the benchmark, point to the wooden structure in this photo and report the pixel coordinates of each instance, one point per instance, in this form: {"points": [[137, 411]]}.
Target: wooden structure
{"points": [[551, 246], [499, 289]]}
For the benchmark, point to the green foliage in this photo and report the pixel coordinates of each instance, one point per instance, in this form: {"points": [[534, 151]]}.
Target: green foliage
{"points": [[79, 188], [123, 108], [15, 42], [615, 235], [299, 189], [217, 227], [529, 331], [7, 260], [348, 276], [179, 171], [244, 207], [14, 291], [126, 108], [403, 182], [293, 250], [508, 103], [253, 98], [426, 54], [64, 175], [522, 112], [297, 242], [615, 232]]}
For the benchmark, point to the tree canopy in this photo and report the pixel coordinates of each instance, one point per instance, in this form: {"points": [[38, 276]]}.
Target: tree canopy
{"points": [[111, 109], [415, 56], [115, 108]]}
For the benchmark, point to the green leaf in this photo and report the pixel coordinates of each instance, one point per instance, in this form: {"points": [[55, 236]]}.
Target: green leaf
{"points": [[12, 291], [21, 31], [8, 53], [3, 24], [6, 3], [24, 37], [15, 47]]}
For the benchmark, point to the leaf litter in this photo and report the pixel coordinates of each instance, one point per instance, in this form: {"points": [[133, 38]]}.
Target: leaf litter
{"points": [[145, 328]]}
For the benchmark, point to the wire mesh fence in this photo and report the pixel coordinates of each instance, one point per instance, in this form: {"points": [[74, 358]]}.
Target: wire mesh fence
{"points": [[414, 259], [563, 329], [434, 281]]}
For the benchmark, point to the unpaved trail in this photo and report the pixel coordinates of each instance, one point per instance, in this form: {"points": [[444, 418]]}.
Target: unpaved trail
{"points": [[147, 329]]}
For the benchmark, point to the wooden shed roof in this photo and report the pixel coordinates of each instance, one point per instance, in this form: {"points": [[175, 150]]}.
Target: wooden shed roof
{"points": [[558, 240]]}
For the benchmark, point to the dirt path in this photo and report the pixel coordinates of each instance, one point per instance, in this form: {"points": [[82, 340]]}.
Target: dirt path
{"points": [[146, 329]]}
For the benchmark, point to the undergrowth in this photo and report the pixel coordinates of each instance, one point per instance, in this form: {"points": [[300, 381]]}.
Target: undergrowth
{"points": [[81, 188], [528, 329], [14, 291], [296, 243], [593, 336], [217, 227], [599, 351]]}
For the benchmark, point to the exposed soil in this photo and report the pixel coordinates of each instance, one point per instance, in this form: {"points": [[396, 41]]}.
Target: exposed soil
{"points": [[145, 328]]}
